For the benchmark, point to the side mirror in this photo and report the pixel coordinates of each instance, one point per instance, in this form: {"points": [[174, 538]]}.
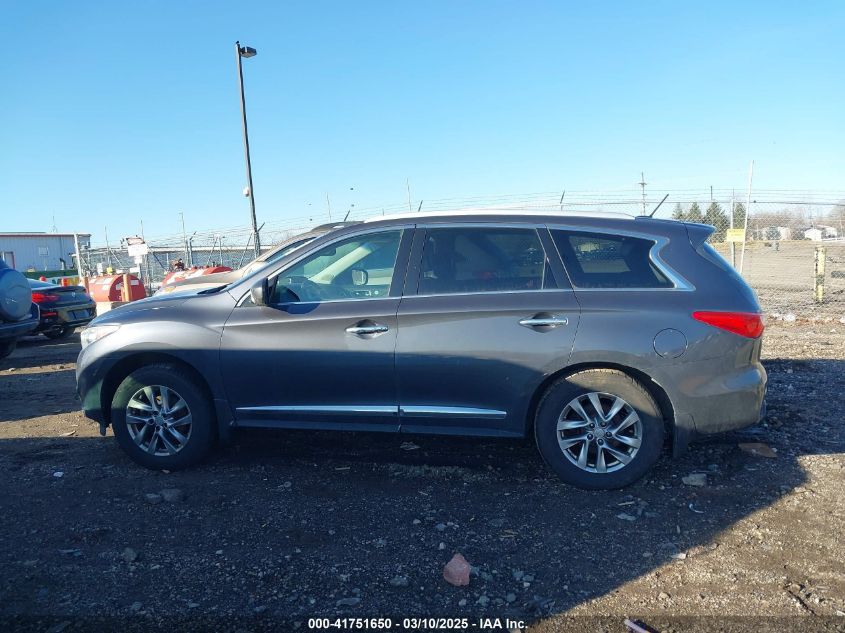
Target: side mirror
{"points": [[258, 293], [360, 277]]}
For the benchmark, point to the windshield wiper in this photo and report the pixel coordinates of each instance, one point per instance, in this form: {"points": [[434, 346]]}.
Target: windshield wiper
{"points": [[211, 291]]}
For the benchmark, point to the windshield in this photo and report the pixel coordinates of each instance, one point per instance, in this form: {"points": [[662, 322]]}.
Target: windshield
{"points": [[40, 284], [273, 256]]}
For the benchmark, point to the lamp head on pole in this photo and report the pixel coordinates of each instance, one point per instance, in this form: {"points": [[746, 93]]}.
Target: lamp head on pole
{"points": [[247, 51]]}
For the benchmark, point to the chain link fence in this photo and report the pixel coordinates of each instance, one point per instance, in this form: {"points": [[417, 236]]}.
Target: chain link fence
{"points": [[793, 254], [232, 248]]}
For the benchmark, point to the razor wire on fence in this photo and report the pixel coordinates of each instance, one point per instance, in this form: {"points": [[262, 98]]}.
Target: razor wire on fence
{"points": [[790, 248]]}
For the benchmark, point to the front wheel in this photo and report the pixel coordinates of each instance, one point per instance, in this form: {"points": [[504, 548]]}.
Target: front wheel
{"points": [[599, 429], [162, 419]]}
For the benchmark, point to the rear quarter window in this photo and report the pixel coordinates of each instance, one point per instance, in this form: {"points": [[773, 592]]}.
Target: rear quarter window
{"points": [[600, 260]]}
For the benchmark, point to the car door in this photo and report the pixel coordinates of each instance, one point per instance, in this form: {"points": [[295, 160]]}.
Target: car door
{"points": [[487, 315], [321, 353]]}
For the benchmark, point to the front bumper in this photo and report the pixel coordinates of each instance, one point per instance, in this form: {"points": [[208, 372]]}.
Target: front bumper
{"points": [[91, 373]]}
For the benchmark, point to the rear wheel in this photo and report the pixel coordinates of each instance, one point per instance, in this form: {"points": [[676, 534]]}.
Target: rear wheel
{"points": [[162, 418], [599, 429], [59, 332]]}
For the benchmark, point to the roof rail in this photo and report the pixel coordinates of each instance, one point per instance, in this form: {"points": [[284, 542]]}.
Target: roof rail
{"points": [[504, 212]]}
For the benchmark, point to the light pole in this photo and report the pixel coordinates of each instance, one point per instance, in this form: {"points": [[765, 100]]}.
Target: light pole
{"points": [[240, 52]]}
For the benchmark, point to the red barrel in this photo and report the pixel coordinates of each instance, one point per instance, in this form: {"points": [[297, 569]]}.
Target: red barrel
{"points": [[110, 288], [190, 273]]}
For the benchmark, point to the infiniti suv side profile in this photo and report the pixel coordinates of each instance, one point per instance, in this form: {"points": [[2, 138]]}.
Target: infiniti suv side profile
{"points": [[607, 338]]}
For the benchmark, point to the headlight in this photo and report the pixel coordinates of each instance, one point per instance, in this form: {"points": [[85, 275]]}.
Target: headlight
{"points": [[95, 333]]}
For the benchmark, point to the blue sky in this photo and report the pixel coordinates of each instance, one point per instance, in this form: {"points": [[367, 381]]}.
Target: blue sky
{"points": [[116, 111]]}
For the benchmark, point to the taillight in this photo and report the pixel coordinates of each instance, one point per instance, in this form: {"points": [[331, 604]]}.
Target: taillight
{"points": [[40, 297], [748, 324]]}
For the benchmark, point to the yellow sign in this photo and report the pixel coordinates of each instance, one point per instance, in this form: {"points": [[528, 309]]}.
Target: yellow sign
{"points": [[735, 235]]}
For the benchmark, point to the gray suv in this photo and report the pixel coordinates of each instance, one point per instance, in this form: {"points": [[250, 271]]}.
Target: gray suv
{"points": [[607, 338]]}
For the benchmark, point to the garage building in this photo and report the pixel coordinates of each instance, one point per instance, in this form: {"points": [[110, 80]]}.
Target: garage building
{"points": [[41, 251]]}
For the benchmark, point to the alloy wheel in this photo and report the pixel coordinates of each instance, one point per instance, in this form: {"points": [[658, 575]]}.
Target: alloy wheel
{"points": [[599, 432], [159, 420]]}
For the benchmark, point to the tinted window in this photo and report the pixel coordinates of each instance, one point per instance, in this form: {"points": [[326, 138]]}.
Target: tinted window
{"points": [[480, 259], [360, 267], [598, 260]]}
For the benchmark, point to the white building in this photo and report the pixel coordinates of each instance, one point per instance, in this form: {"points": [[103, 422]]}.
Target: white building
{"points": [[41, 251], [777, 233], [820, 232]]}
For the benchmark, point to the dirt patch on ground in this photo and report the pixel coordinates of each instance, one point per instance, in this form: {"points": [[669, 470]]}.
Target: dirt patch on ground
{"points": [[284, 527]]}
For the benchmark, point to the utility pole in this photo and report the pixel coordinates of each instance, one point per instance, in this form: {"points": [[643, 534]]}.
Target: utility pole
{"points": [[408, 186], [241, 52], [329, 206], [146, 258], [108, 248], [642, 184], [78, 257], [747, 213], [733, 244], [185, 239]]}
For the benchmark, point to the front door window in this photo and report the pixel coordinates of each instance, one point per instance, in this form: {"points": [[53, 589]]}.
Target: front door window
{"points": [[359, 267]]}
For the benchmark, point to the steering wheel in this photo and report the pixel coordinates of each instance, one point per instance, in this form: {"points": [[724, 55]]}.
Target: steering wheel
{"points": [[311, 291]]}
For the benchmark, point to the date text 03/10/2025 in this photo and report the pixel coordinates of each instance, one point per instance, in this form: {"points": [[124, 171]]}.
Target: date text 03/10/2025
{"points": [[416, 624]]}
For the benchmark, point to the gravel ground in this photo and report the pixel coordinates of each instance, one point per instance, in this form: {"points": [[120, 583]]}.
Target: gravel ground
{"points": [[284, 527]]}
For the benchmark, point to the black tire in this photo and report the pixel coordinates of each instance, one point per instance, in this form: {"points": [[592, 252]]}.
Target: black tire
{"points": [[7, 347], [603, 381], [204, 423], [60, 332]]}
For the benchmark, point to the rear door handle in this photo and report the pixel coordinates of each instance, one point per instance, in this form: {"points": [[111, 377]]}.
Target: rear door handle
{"points": [[361, 329], [544, 320]]}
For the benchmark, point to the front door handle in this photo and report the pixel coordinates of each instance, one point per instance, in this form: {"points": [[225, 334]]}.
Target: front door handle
{"points": [[367, 328], [544, 320]]}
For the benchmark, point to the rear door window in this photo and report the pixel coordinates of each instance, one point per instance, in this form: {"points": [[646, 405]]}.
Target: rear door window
{"points": [[600, 260], [483, 259]]}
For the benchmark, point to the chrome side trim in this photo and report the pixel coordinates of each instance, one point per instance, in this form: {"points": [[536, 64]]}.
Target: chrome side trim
{"points": [[457, 412], [654, 253], [363, 409]]}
